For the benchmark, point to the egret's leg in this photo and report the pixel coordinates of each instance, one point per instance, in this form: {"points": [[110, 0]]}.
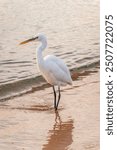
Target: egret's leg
{"points": [[54, 98], [59, 96]]}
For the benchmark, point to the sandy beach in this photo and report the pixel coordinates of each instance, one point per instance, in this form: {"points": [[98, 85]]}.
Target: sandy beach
{"points": [[29, 122]]}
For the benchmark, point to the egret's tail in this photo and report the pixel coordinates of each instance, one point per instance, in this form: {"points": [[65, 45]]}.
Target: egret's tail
{"points": [[70, 82]]}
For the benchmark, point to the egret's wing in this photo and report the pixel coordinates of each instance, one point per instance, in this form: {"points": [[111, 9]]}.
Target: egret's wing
{"points": [[58, 69], [58, 61]]}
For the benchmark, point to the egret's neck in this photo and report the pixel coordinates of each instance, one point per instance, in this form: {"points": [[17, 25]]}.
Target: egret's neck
{"points": [[43, 44], [39, 52]]}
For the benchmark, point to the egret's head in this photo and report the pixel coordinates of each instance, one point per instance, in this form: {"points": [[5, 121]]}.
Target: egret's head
{"points": [[39, 37]]}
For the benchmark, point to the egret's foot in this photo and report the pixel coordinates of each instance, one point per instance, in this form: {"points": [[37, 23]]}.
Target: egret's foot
{"points": [[55, 108]]}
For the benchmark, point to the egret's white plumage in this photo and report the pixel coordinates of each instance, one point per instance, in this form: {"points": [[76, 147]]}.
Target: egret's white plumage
{"points": [[53, 69]]}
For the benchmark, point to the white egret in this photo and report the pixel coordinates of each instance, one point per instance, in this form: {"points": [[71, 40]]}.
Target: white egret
{"points": [[52, 68]]}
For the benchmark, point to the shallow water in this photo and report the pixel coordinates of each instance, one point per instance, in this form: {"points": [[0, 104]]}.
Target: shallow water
{"points": [[30, 122], [72, 29]]}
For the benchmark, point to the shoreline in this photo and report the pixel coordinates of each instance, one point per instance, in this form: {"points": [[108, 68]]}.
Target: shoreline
{"points": [[29, 85]]}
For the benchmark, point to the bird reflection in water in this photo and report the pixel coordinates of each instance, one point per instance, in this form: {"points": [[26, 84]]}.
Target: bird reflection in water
{"points": [[60, 137]]}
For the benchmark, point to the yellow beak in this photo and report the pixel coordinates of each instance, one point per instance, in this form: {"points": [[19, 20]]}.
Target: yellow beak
{"points": [[29, 40]]}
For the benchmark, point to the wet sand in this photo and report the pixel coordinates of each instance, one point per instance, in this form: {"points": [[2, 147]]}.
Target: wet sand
{"points": [[29, 122]]}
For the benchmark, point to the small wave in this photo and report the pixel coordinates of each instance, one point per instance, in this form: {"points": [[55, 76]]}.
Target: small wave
{"points": [[21, 87], [13, 62]]}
